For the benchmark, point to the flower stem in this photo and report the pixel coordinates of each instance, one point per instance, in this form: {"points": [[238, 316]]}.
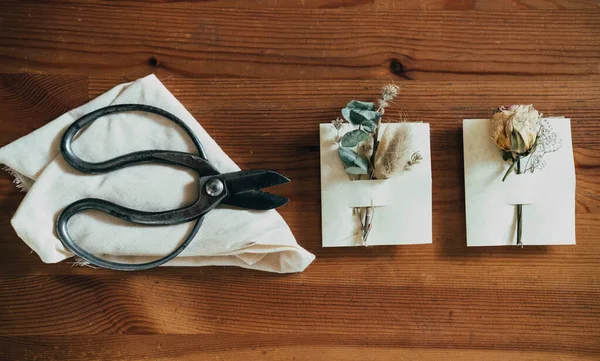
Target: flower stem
{"points": [[367, 222], [511, 168], [375, 143], [519, 211]]}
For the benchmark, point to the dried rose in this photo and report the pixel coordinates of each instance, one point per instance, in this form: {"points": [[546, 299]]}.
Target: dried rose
{"points": [[514, 129]]}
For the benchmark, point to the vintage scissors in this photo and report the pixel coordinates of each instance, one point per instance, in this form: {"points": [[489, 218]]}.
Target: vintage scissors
{"points": [[239, 189]]}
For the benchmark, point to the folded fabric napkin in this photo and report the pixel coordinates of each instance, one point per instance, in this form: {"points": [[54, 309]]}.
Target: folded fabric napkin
{"points": [[258, 240]]}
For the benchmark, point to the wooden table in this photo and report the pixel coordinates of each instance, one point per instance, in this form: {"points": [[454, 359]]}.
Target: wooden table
{"points": [[261, 75]]}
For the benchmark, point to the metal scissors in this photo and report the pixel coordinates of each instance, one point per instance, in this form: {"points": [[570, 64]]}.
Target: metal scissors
{"points": [[239, 189]]}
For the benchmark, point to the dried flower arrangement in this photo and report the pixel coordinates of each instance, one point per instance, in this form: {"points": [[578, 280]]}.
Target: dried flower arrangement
{"points": [[367, 152], [521, 132]]}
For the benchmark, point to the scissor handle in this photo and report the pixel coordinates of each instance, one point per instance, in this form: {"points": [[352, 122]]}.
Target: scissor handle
{"points": [[118, 211], [147, 156], [197, 210], [203, 205]]}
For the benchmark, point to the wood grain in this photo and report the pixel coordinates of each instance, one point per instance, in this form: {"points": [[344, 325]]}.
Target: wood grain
{"points": [[418, 302], [29, 101], [255, 347], [131, 39], [383, 5], [260, 76]]}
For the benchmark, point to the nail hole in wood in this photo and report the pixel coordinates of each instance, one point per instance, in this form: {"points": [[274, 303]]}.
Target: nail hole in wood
{"points": [[153, 62]]}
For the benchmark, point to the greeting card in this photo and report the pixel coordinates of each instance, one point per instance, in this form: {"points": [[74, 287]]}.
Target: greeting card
{"points": [[375, 178], [519, 179]]}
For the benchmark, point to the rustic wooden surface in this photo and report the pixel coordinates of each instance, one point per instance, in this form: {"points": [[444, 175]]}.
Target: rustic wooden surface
{"points": [[261, 75]]}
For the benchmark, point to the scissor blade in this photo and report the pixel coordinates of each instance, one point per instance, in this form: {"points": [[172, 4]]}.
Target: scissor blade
{"points": [[188, 160], [255, 199], [249, 180]]}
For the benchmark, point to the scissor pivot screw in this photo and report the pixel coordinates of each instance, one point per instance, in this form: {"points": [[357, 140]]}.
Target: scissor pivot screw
{"points": [[214, 187]]}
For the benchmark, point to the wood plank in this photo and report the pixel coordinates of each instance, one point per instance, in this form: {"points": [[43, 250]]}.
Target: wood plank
{"points": [[383, 5], [253, 347], [198, 41], [452, 317], [28, 101]]}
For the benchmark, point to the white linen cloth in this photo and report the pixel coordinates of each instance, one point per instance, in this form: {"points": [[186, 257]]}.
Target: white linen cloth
{"points": [[258, 240]]}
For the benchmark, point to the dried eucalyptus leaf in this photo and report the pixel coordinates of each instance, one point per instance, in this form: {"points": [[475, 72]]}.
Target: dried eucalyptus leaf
{"points": [[347, 156], [369, 126], [357, 104], [352, 159], [351, 139], [362, 162], [360, 116], [355, 170]]}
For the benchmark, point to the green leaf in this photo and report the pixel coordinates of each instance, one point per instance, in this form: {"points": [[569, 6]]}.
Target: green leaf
{"points": [[533, 147], [351, 139], [359, 117], [357, 104], [347, 156], [517, 143], [351, 159], [362, 162], [355, 170], [369, 126]]}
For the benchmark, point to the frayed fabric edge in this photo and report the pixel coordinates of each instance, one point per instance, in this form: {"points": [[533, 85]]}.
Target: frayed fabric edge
{"points": [[20, 181], [80, 262]]}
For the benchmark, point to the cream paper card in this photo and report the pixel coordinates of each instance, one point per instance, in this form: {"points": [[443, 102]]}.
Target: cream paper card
{"points": [[402, 203], [547, 195]]}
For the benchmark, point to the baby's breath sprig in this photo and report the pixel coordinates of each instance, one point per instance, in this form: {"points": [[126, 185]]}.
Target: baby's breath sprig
{"points": [[414, 159], [337, 124]]}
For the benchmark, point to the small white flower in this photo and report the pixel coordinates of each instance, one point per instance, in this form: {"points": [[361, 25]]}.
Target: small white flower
{"points": [[548, 141], [337, 123], [537, 162]]}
